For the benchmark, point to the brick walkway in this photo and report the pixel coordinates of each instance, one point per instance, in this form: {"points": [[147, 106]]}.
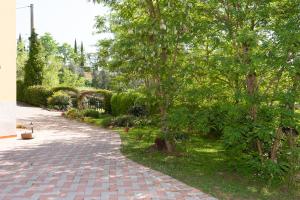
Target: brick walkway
{"points": [[71, 160]]}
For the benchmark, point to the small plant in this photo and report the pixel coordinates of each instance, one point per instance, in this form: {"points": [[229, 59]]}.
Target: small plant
{"points": [[124, 121], [106, 122], [73, 114], [60, 100], [91, 113], [138, 110]]}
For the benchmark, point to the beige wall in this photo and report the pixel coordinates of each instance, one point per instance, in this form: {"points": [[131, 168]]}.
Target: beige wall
{"points": [[8, 67]]}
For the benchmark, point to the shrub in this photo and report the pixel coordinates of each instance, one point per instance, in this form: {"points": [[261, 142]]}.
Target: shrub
{"points": [[124, 121], [63, 88], [147, 121], [138, 110], [107, 99], [20, 91], [73, 113], [91, 113], [124, 103], [106, 122], [37, 95], [60, 100], [149, 105]]}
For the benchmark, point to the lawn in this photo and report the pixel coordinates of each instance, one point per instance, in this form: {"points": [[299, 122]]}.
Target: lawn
{"points": [[201, 164]]}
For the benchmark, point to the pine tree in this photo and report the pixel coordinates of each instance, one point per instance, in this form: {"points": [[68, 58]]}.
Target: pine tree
{"points": [[75, 47], [20, 45], [22, 56], [82, 58], [35, 63], [20, 38]]}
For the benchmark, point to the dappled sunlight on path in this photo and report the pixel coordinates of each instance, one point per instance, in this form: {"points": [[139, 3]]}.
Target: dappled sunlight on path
{"points": [[72, 160]]}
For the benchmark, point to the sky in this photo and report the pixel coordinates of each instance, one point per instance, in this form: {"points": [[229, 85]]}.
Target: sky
{"points": [[64, 19]]}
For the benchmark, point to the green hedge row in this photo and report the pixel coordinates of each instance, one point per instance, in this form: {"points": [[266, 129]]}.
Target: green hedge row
{"points": [[130, 102], [127, 102], [20, 91], [38, 95], [33, 95]]}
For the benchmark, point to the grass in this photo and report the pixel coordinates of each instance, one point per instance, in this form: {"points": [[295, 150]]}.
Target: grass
{"points": [[99, 122], [203, 165]]}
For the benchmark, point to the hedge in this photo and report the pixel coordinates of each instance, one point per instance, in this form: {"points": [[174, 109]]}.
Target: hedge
{"points": [[66, 89], [20, 91], [37, 95], [122, 103], [60, 100]]}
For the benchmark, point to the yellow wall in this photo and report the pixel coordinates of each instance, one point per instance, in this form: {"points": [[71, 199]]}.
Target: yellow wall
{"points": [[8, 68]]}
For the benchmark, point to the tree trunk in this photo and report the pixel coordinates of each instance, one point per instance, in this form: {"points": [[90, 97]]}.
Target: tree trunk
{"points": [[276, 145], [252, 90]]}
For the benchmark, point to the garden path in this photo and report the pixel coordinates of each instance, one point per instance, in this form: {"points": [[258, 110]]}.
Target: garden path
{"points": [[72, 160]]}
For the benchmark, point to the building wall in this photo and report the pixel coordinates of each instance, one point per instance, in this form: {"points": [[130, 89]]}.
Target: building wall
{"points": [[7, 68], [7, 118]]}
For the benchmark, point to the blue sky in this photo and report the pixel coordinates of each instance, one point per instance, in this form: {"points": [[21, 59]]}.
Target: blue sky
{"points": [[64, 19]]}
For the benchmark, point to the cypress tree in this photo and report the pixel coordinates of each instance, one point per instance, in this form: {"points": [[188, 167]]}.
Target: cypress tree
{"points": [[82, 59], [20, 38], [20, 45], [75, 47], [36, 62]]}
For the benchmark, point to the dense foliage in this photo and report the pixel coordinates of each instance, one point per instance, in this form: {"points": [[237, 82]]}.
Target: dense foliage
{"points": [[91, 113], [21, 91], [105, 96], [37, 95], [59, 100], [227, 68], [33, 70]]}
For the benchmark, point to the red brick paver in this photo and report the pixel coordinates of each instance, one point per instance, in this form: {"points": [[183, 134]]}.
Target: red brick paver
{"points": [[70, 160]]}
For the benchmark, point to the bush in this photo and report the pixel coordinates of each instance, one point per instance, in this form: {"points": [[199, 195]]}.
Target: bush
{"points": [[148, 103], [73, 114], [60, 100], [124, 121], [66, 89], [21, 91], [37, 95], [106, 122], [124, 103], [138, 110], [91, 113], [147, 121], [107, 99]]}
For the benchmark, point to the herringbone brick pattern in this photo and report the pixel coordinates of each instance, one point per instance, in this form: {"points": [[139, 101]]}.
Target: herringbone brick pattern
{"points": [[70, 160]]}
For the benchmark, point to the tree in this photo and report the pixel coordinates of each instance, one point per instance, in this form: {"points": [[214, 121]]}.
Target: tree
{"points": [[75, 47], [82, 56], [196, 57], [33, 71], [66, 52], [49, 44], [51, 72], [101, 79], [70, 79], [150, 39], [22, 56]]}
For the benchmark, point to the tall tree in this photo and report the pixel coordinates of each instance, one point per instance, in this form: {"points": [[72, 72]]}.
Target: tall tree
{"points": [[22, 56], [35, 63], [82, 56], [75, 47], [49, 44]]}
